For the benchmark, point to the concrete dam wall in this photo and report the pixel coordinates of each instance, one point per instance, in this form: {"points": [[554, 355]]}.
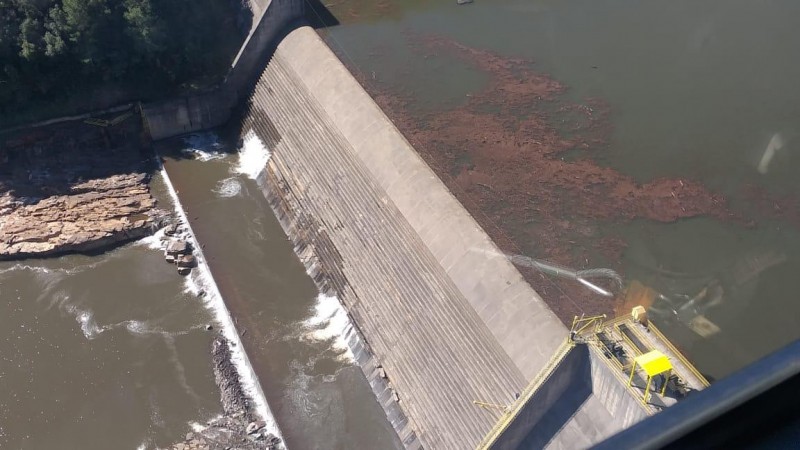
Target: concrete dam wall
{"points": [[449, 322]]}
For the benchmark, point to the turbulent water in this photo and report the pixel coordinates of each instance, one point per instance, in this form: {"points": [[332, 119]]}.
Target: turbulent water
{"points": [[294, 336], [102, 352], [112, 351]]}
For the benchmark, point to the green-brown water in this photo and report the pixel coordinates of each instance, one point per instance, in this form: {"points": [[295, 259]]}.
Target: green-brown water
{"points": [[695, 90]]}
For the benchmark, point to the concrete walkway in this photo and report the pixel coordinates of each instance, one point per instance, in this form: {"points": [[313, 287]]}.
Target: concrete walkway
{"points": [[449, 322]]}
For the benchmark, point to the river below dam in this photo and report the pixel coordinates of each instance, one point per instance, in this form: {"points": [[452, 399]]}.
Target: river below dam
{"points": [[112, 351], [105, 351]]}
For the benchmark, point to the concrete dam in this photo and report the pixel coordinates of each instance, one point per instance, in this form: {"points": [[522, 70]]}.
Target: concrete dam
{"points": [[460, 351]]}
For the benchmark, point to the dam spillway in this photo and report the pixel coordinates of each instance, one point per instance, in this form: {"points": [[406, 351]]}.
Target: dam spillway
{"points": [[448, 324]]}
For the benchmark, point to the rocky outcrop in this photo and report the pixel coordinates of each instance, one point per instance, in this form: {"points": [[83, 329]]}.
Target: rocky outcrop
{"points": [[92, 215], [75, 186], [238, 428], [234, 400]]}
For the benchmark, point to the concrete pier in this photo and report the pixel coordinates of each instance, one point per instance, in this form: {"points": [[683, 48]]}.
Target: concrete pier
{"points": [[449, 323]]}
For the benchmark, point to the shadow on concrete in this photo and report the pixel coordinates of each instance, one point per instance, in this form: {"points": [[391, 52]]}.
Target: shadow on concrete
{"points": [[553, 404], [572, 408], [319, 16], [565, 407]]}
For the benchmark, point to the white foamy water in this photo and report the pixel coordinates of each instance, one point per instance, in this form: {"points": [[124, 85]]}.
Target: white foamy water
{"points": [[229, 187], [202, 279], [329, 323], [253, 156], [198, 427], [89, 326], [18, 266], [51, 272], [153, 241], [204, 146]]}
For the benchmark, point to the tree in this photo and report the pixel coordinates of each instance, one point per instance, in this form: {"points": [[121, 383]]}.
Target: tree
{"points": [[52, 49], [144, 28]]}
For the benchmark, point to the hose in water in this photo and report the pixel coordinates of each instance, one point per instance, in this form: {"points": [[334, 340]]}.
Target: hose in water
{"points": [[580, 276]]}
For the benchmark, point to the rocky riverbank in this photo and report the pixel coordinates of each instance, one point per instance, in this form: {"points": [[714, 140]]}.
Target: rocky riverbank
{"points": [[74, 187], [93, 215], [239, 427]]}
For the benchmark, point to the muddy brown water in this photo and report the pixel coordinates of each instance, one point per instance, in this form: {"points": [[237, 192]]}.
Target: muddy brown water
{"points": [[112, 351], [101, 352], [291, 333]]}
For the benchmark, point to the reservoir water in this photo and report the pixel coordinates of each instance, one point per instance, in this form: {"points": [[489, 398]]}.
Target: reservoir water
{"points": [[692, 93]]}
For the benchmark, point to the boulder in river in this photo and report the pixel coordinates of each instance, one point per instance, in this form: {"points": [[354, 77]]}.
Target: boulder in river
{"points": [[178, 247], [171, 229], [186, 261], [256, 426]]}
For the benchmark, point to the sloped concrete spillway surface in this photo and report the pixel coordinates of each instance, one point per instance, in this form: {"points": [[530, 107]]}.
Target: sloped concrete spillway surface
{"points": [[449, 324]]}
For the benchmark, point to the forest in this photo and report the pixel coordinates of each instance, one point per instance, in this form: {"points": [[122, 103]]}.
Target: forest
{"points": [[56, 52]]}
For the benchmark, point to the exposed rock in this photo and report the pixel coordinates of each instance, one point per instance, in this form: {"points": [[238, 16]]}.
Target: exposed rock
{"points": [[178, 247], [171, 229], [238, 428], [234, 400], [255, 427], [73, 187], [91, 215], [188, 261]]}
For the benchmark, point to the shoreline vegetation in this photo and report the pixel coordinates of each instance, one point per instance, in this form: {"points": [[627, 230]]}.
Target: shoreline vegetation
{"points": [[71, 56]]}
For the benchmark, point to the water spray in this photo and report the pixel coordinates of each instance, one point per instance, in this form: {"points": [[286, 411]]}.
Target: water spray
{"points": [[557, 270]]}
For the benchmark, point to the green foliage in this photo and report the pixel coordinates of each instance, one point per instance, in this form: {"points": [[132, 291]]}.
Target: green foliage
{"points": [[50, 49]]}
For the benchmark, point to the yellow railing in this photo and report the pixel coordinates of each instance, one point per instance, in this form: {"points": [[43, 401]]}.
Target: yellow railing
{"points": [[513, 410], [628, 340], [619, 371], [678, 354]]}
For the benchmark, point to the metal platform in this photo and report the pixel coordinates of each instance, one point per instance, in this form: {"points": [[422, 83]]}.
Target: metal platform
{"points": [[588, 391]]}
